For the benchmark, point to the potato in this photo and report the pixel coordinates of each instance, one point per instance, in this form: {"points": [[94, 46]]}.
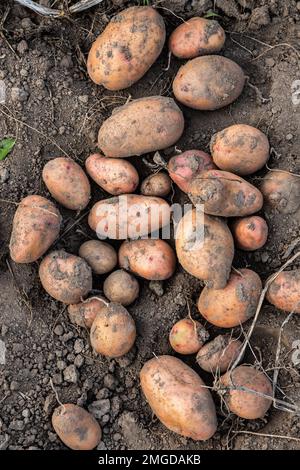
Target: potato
{"points": [[281, 191], [127, 48], [65, 277], [178, 397], [183, 168], [233, 304], [187, 336], [240, 385], [204, 248], [158, 184], [250, 233], [84, 313], [240, 149], [208, 83], [99, 255], [148, 258], [128, 216], [141, 126], [67, 183], [121, 287], [219, 354], [225, 194], [113, 175], [77, 428], [113, 331], [36, 226], [197, 36], [284, 291]]}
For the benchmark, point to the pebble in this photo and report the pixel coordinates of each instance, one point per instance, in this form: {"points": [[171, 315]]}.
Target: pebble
{"points": [[110, 381], [289, 137], [26, 413], [4, 175], [79, 361], [14, 385], [61, 365], [264, 257], [78, 346], [58, 330], [157, 288], [71, 374], [2, 353], [22, 47], [19, 94], [270, 62], [57, 379], [298, 6], [4, 330], [103, 393], [17, 425], [83, 99], [101, 446], [99, 408]]}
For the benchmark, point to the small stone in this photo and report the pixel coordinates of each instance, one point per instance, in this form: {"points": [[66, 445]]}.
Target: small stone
{"points": [[264, 257], [26, 23], [71, 374], [17, 425], [57, 379], [83, 99], [103, 393], [110, 381], [157, 288], [81, 401], [19, 94], [105, 419], [4, 439], [61, 130], [14, 385], [58, 330], [52, 436], [2, 353], [99, 408], [289, 137], [4, 330], [101, 446], [78, 346], [61, 365], [22, 47], [26, 413], [298, 6], [4, 175], [79, 361], [117, 436], [270, 62], [48, 403]]}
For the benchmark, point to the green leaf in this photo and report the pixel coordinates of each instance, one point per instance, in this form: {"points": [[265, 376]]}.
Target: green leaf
{"points": [[211, 14], [6, 145]]}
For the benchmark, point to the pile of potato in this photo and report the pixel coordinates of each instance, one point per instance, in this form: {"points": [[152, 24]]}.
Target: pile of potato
{"points": [[120, 56]]}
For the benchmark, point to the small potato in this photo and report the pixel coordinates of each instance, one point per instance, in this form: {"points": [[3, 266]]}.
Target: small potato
{"points": [[115, 176], [250, 233], [208, 83], [246, 403], [77, 428], [158, 184], [67, 183], [121, 287], [84, 313], [100, 256], [240, 149], [234, 304], [281, 191], [179, 398], [187, 336], [219, 354], [284, 291], [148, 258], [141, 126], [113, 331], [36, 226], [195, 37], [65, 277]]}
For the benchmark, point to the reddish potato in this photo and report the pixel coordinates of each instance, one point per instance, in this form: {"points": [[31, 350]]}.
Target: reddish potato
{"points": [[284, 291], [250, 233], [219, 354], [281, 191], [121, 287], [187, 336], [100, 256], [84, 313], [158, 184]]}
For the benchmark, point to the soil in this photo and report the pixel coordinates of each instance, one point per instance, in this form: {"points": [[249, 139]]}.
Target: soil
{"points": [[42, 64]]}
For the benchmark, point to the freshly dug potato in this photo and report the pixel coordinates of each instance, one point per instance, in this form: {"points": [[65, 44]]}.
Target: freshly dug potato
{"points": [[281, 191], [197, 36], [77, 428], [128, 216], [183, 168], [225, 194], [209, 82], [240, 149], [178, 397], [99, 255], [148, 258], [233, 304], [187, 336], [65, 277], [284, 291], [113, 331], [36, 225], [115, 176], [158, 184], [250, 233], [141, 126], [205, 248], [127, 48], [121, 287], [84, 313], [219, 354], [67, 183], [246, 403]]}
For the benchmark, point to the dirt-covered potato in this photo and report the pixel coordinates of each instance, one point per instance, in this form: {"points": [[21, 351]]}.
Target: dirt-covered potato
{"points": [[219, 354], [281, 191], [179, 398], [67, 183], [115, 176], [36, 225], [158, 184], [84, 313], [233, 304], [209, 82], [284, 291], [99, 255], [121, 287], [141, 126], [126, 49], [250, 233], [195, 37], [65, 277], [187, 336], [77, 428], [240, 149]]}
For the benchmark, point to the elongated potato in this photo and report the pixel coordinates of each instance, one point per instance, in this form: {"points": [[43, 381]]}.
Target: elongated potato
{"points": [[204, 247], [36, 225], [233, 304], [209, 82], [128, 216], [84, 313], [65, 277], [281, 191], [67, 183], [187, 336], [77, 428], [284, 291], [178, 397], [141, 126], [127, 48], [158, 184], [240, 149], [250, 233], [115, 176], [121, 287], [219, 354], [148, 258], [100, 256]]}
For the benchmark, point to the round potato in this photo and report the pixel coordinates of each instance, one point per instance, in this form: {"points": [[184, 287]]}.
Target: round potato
{"points": [[67, 183], [284, 291], [121, 287], [281, 191], [187, 336], [158, 184], [250, 233], [219, 354], [99, 255], [208, 83], [84, 313]]}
